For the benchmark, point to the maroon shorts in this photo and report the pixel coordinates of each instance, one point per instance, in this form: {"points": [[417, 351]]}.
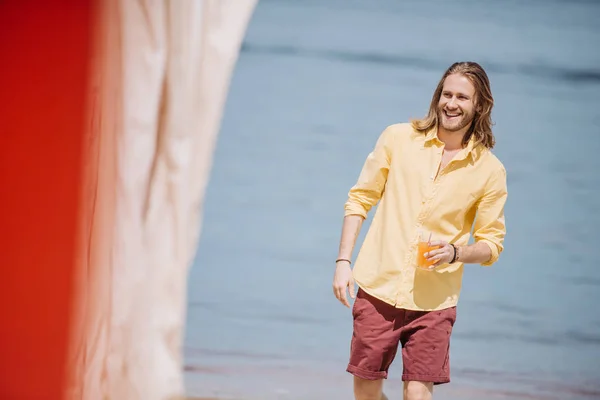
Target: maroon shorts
{"points": [[378, 330]]}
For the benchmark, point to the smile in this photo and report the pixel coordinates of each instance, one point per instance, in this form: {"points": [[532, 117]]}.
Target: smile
{"points": [[449, 115]]}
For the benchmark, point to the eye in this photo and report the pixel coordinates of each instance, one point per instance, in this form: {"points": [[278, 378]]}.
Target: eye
{"points": [[463, 97], [447, 95]]}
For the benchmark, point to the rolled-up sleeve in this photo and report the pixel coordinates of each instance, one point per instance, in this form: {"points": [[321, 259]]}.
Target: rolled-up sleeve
{"points": [[368, 190], [490, 226]]}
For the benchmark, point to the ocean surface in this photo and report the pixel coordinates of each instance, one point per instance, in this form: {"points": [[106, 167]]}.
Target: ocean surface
{"points": [[316, 83]]}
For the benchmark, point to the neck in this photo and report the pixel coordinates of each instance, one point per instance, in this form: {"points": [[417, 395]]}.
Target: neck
{"points": [[453, 140]]}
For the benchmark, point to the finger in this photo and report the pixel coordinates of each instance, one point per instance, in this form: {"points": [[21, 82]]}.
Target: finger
{"points": [[338, 293], [344, 299], [438, 255], [341, 295], [433, 253], [440, 261], [438, 243], [434, 260], [351, 288]]}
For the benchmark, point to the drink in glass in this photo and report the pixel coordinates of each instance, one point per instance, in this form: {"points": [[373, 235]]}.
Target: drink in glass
{"points": [[424, 247]]}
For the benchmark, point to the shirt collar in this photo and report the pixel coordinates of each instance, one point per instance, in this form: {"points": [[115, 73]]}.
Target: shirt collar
{"points": [[469, 150]]}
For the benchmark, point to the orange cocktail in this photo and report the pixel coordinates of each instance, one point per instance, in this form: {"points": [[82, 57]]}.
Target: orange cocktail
{"points": [[424, 247]]}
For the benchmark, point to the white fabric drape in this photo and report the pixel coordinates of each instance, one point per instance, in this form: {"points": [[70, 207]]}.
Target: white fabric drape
{"points": [[159, 83]]}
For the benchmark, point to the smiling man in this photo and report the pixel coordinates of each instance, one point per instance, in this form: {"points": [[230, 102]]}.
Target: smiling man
{"points": [[436, 176]]}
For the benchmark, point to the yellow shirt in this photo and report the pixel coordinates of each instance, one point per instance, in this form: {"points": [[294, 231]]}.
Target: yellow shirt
{"points": [[400, 175]]}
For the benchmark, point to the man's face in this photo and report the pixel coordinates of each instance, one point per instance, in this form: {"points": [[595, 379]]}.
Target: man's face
{"points": [[456, 107]]}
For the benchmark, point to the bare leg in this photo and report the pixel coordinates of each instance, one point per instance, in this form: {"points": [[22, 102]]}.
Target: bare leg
{"points": [[365, 389], [415, 390]]}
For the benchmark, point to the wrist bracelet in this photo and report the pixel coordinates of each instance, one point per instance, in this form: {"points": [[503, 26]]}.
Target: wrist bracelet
{"points": [[455, 254], [343, 259]]}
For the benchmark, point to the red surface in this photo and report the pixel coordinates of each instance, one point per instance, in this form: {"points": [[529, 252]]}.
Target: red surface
{"points": [[44, 52]]}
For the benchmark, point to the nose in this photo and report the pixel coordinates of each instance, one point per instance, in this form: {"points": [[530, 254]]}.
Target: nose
{"points": [[452, 103]]}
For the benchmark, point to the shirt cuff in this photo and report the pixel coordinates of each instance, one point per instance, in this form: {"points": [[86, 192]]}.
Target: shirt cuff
{"points": [[354, 209], [495, 252]]}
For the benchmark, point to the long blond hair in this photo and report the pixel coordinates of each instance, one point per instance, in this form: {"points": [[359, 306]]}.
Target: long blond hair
{"points": [[481, 127]]}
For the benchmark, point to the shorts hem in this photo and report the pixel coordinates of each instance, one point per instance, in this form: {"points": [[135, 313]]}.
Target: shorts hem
{"points": [[364, 374], [436, 380]]}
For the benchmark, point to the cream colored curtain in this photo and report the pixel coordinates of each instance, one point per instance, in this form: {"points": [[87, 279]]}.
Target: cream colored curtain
{"points": [[160, 78]]}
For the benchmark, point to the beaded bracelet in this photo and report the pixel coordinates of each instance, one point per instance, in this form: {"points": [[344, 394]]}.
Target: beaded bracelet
{"points": [[455, 252]]}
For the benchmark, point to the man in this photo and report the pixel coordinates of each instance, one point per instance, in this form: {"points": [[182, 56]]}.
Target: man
{"points": [[436, 175]]}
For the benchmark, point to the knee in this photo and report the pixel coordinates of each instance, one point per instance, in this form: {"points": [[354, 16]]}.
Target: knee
{"points": [[415, 390], [365, 389]]}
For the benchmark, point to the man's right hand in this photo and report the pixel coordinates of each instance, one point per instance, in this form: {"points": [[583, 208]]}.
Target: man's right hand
{"points": [[343, 280]]}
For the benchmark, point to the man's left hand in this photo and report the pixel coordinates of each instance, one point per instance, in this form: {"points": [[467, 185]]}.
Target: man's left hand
{"points": [[442, 255]]}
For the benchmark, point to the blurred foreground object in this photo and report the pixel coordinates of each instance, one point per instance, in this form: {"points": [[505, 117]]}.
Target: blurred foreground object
{"points": [[159, 81], [110, 212], [44, 47]]}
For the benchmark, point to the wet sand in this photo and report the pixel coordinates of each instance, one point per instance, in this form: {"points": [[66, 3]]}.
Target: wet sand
{"points": [[259, 383]]}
